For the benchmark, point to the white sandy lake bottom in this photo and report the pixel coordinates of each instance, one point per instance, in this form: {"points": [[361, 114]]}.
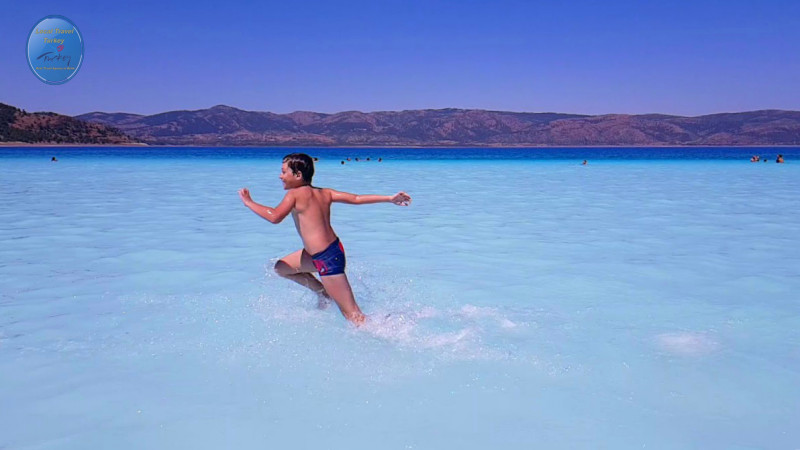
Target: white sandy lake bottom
{"points": [[514, 304]]}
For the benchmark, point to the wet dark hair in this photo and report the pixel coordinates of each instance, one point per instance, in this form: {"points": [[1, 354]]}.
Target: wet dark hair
{"points": [[302, 164]]}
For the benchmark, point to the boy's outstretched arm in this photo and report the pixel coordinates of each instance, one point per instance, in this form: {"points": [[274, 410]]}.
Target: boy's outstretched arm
{"points": [[400, 199], [274, 215]]}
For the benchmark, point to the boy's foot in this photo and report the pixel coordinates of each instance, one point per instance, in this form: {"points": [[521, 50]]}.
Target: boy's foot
{"points": [[358, 319], [323, 301]]}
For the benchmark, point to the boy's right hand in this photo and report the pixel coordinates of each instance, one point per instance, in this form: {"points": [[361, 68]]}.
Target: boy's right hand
{"points": [[401, 199], [244, 194]]}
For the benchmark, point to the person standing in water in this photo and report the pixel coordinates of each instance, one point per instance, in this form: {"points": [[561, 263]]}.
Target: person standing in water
{"points": [[322, 251]]}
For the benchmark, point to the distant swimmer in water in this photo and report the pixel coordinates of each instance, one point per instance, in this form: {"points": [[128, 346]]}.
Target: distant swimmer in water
{"points": [[779, 160], [380, 159], [53, 159], [322, 251], [754, 158], [342, 162], [584, 162]]}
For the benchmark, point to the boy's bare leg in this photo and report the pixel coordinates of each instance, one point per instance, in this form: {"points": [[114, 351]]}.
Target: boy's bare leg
{"points": [[299, 267], [339, 289]]}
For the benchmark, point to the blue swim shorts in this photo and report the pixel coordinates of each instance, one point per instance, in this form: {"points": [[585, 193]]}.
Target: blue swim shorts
{"points": [[330, 261]]}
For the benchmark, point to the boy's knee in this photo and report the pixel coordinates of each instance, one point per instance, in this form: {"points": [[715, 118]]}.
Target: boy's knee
{"points": [[282, 269]]}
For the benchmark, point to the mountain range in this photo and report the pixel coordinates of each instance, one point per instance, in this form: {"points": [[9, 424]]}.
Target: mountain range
{"points": [[224, 125], [227, 126]]}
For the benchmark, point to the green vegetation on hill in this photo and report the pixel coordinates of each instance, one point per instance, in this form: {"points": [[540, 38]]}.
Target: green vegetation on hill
{"points": [[17, 125], [7, 116]]}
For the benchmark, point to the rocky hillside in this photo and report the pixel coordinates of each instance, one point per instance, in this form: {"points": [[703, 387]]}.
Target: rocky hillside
{"points": [[17, 125], [224, 125]]}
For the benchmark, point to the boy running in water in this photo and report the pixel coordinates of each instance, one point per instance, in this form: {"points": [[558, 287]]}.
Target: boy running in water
{"points": [[322, 252]]}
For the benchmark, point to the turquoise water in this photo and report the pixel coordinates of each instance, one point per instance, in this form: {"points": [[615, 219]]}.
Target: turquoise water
{"points": [[534, 303]]}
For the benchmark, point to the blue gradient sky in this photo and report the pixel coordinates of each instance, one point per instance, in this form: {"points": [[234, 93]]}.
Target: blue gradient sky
{"points": [[591, 57]]}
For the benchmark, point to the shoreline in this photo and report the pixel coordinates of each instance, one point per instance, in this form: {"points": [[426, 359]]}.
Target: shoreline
{"points": [[143, 145], [28, 144]]}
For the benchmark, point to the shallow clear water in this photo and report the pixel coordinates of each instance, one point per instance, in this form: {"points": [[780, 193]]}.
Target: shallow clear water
{"points": [[532, 303]]}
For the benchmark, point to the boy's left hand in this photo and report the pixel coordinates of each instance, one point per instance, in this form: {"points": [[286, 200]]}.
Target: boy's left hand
{"points": [[401, 199]]}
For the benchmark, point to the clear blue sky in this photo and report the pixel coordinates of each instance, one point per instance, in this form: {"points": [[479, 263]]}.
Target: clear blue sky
{"points": [[592, 57]]}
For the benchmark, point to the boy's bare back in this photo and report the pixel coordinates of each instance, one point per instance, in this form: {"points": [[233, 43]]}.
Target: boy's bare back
{"points": [[311, 212]]}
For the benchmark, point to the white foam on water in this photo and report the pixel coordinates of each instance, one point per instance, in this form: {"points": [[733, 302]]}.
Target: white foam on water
{"points": [[485, 312], [424, 329], [446, 339], [505, 323], [687, 343], [400, 313]]}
